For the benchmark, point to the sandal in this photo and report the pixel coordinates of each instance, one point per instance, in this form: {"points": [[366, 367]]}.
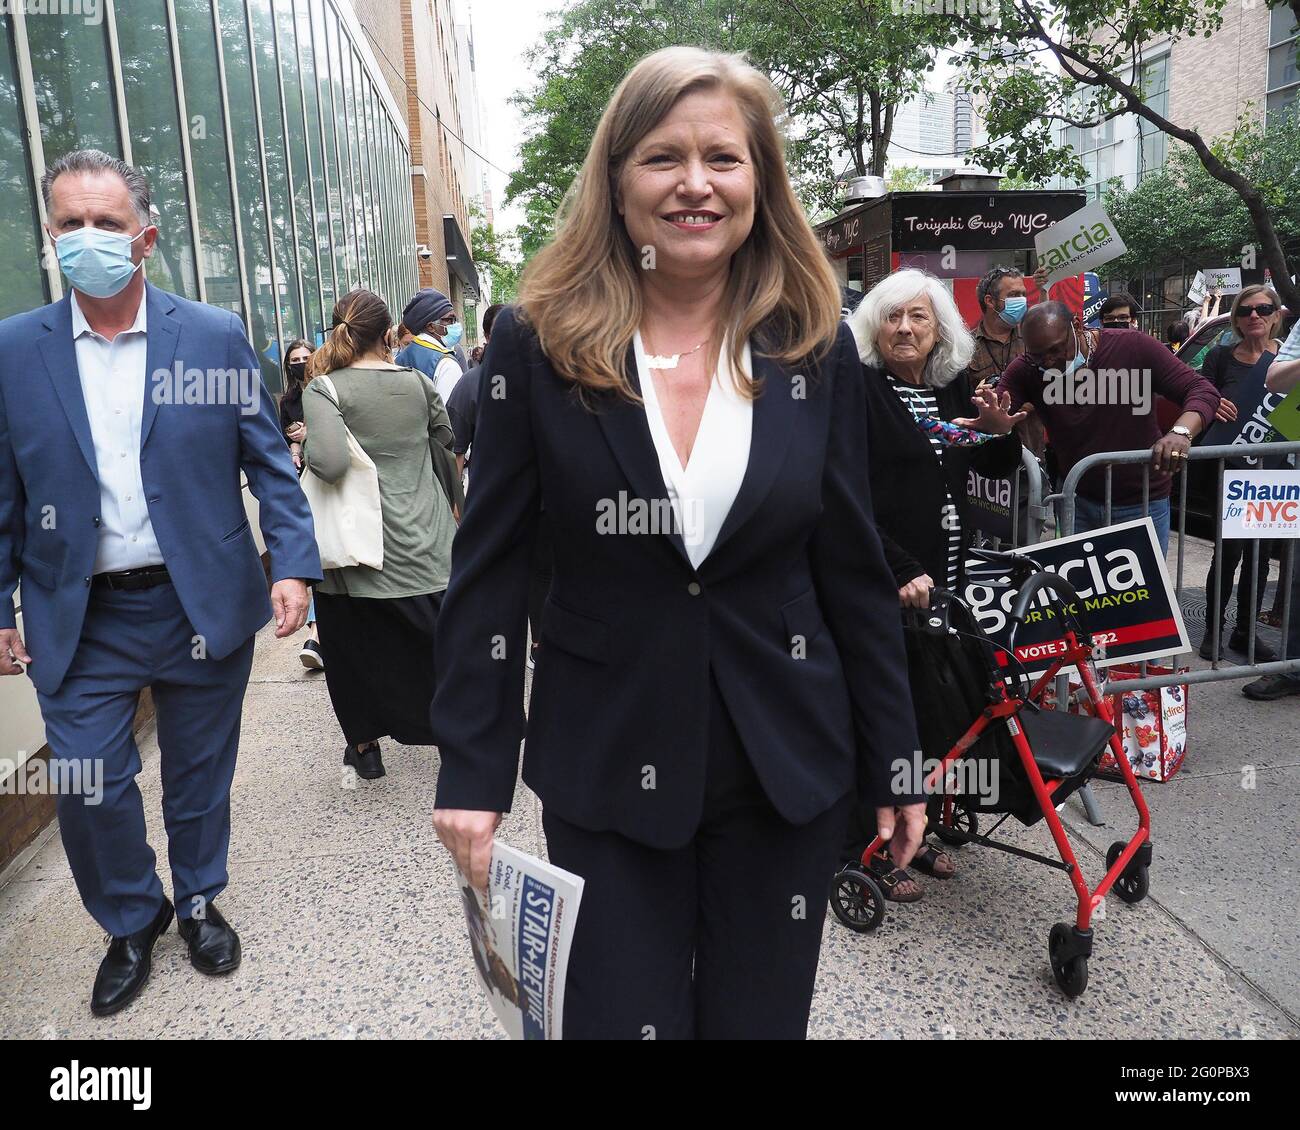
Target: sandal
{"points": [[932, 862], [895, 883], [1271, 618]]}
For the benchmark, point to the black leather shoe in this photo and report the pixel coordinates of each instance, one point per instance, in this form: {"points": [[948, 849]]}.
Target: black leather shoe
{"points": [[1206, 651], [1263, 653], [126, 966], [214, 945], [368, 763]]}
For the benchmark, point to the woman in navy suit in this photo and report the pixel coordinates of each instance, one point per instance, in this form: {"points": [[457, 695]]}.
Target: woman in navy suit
{"points": [[723, 666]]}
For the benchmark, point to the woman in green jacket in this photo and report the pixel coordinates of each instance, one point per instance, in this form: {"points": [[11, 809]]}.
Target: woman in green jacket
{"points": [[377, 625]]}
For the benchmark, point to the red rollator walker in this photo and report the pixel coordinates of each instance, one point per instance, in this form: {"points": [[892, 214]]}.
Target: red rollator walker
{"points": [[1036, 756]]}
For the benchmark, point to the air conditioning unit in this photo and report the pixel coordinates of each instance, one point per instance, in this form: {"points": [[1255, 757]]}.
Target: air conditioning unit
{"points": [[864, 188]]}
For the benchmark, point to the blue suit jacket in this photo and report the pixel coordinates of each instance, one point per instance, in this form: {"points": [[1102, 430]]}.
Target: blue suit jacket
{"points": [[190, 459]]}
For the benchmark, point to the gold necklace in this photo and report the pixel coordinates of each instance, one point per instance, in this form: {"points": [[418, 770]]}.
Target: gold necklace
{"points": [[656, 361]]}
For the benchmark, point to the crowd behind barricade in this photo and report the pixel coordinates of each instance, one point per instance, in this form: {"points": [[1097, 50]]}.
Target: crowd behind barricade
{"points": [[434, 525]]}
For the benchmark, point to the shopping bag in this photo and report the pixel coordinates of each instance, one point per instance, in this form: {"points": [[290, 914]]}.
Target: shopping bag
{"points": [[347, 514], [1155, 724]]}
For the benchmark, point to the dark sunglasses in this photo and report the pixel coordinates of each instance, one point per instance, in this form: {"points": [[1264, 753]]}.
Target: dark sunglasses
{"points": [[1115, 324], [1264, 310]]}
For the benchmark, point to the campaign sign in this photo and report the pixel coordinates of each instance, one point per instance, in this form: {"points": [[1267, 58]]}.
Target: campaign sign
{"points": [[1125, 598], [1261, 504], [989, 501], [1255, 423], [1086, 239], [1093, 297], [1285, 417]]}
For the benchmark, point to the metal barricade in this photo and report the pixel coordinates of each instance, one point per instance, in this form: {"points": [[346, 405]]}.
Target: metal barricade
{"points": [[1028, 487], [1067, 499]]}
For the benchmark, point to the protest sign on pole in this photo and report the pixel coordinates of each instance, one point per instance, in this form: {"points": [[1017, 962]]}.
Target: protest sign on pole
{"points": [[1259, 504], [1125, 598], [1078, 243]]}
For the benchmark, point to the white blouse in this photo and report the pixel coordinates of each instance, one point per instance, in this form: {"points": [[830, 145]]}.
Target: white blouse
{"points": [[702, 492]]}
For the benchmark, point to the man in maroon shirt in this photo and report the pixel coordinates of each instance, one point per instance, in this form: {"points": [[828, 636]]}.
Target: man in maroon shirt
{"points": [[1095, 391]]}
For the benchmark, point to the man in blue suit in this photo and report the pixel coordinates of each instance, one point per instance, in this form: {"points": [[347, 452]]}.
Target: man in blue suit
{"points": [[126, 417]]}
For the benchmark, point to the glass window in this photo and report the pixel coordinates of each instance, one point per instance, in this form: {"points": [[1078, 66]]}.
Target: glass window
{"points": [[315, 65], [379, 204], [248, 183], [361, 127], [344, 247], [74, 96], [288, 280], [360, 258], [149, 86], [207, 128], [303, 214], [25, 284], [1155, 89]]}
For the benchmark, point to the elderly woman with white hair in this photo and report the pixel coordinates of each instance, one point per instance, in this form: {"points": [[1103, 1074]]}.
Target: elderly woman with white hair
{"points": [[927, 431]]}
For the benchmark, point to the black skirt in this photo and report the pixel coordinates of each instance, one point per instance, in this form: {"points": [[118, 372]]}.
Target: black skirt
{"points": [[379, 664]]}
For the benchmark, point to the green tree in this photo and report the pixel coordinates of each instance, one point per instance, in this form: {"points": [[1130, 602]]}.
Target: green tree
{"points": [[1181, 212], [842, 67], [495, 254], [1098, 49], [907, 178]]}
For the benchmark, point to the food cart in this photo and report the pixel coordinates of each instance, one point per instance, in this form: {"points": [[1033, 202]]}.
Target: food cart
{"points": [[957, 234]]}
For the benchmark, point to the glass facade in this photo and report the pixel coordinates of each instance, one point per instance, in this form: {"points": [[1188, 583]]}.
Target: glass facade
{"points": [[279, 169]]}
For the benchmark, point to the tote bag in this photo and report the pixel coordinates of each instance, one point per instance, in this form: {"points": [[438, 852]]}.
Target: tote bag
{"points": [[347, 514]]}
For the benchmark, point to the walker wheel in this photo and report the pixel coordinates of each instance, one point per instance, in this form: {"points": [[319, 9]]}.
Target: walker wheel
{"points": [[964, 820], [1071, 974], [856, 899], [1134, 882]]}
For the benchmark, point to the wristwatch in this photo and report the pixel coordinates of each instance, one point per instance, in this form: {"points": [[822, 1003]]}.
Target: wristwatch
{"points": [[1179, 430]]}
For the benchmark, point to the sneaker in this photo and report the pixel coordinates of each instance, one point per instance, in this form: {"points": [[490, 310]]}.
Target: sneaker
{"points": [[1206, 650], [310, 656], [1263, 653], [1268, 687]]}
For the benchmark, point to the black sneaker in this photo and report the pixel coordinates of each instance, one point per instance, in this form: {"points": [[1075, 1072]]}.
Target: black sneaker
{"points": [[1263, 653], [310, 656], [1268, 687], [1206, 649], [367, 763]]}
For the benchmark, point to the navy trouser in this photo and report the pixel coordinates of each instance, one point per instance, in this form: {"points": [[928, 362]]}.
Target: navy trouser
{"points": [[715, 940], [129, 641]]}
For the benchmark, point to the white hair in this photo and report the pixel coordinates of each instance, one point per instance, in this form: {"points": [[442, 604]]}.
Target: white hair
{"points": [[953, 346]]}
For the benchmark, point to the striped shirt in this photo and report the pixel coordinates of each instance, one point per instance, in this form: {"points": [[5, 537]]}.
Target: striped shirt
{"points": [[1290, 350], [921, 402]]}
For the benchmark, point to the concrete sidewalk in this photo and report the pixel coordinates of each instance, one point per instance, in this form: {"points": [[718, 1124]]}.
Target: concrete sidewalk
{"points": [[352, 928]]}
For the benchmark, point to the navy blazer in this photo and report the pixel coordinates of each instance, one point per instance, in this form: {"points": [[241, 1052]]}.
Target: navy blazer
{"points": [[190, 459], [794, 609]]}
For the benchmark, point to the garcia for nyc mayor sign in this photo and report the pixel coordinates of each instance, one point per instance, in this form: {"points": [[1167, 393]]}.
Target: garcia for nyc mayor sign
{"points": [[1125, 598]]}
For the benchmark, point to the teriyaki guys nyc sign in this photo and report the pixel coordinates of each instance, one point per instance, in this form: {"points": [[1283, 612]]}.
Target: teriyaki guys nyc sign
{"points": [[976, 221], [961, 221]]}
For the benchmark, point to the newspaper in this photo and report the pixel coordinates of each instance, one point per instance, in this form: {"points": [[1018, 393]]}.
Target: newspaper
{"points": [[521, 939]]}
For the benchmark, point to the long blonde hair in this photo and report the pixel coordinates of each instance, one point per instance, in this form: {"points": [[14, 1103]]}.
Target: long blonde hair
{"points": [[582, 294]]}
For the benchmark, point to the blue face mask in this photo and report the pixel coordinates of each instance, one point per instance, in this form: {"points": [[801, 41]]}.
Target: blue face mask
{"points": [[1013, 310], [1079, 358], [453, 335], [97, 263]]}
